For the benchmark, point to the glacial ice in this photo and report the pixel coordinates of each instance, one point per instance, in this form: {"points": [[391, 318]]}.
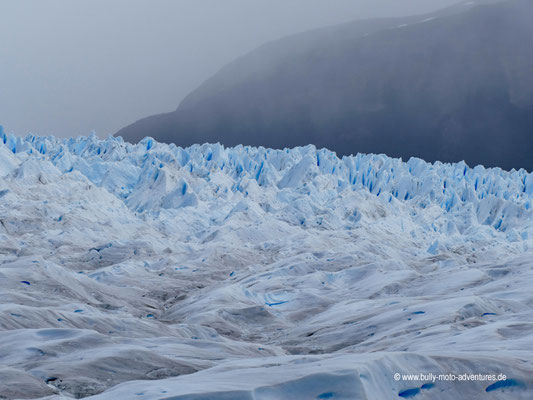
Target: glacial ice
{"points": [[150, 271]]}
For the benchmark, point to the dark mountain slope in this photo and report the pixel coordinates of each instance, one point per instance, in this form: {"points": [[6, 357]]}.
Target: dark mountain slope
{"points": [[454, 85]]}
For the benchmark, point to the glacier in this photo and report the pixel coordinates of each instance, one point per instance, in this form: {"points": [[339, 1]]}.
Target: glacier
{"points": [[149, 271]]}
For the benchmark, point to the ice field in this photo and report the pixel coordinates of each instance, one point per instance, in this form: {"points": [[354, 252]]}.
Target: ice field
{"points": [[150, 272]]}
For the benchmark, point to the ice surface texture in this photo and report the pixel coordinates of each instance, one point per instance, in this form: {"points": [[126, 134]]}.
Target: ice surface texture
{"points": [[150, 271]]}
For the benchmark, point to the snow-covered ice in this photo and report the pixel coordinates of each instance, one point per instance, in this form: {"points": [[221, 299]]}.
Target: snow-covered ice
{"points": [[150, 271]]}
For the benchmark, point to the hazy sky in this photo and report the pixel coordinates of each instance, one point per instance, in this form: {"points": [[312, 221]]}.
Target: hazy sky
{"points": [[69, 67]]}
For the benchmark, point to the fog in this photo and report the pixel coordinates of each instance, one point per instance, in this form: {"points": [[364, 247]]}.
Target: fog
{"points": [[70, 67]]}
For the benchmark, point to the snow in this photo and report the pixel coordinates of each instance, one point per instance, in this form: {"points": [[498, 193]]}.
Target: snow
{"points": [[150, 271]]}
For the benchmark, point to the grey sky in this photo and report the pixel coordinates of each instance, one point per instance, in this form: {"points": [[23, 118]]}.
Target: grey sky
{"points": [[70, 67]]}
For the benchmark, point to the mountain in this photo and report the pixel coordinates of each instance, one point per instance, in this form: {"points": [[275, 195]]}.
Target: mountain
{"points": [[453, 85]]}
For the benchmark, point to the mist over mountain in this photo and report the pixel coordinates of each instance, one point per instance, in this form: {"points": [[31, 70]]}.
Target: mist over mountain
{"points": [[450, 86]]}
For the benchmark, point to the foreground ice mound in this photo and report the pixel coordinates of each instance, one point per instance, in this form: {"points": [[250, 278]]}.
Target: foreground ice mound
{"points": [[150, 271]]}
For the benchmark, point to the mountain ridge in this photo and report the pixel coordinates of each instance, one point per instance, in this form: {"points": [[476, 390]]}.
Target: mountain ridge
{"points": [[446, 86]]}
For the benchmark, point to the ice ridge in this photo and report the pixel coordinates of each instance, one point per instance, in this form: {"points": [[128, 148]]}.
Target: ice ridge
{"points": [[151, 176]]}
